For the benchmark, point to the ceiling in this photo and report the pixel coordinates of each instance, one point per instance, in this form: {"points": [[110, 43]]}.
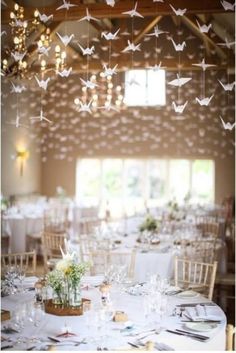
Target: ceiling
{"points": [[135, 29]]}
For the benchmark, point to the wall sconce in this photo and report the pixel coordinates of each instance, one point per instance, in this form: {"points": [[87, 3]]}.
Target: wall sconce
{"points": [[22, 155]]}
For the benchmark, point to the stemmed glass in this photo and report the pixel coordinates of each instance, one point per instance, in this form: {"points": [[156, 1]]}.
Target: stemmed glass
{"points": [[36, 313], [21, 276]]}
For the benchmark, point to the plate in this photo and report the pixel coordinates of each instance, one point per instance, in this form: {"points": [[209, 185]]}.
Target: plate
{"points": [[187, 294], [200, 326]]}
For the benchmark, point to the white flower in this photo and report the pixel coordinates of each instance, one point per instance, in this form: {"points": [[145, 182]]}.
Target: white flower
{"points": [[64, 264]]}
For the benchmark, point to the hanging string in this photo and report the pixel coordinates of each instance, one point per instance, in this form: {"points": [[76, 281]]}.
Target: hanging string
{"points": [[132, 38]]}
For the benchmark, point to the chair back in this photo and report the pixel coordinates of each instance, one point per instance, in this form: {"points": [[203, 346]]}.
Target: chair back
{"points": [[230, 337], [124, 259], [197, 275], [202, 250], [24, 260], [51, 243]]}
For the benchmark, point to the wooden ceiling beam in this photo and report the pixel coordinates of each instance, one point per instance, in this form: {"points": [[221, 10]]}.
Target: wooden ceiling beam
{"points": [[147, 29], [101, 10]]}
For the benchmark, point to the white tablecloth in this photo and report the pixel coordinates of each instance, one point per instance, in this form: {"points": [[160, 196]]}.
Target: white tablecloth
{"points": [[18, 227], [51, 325]]}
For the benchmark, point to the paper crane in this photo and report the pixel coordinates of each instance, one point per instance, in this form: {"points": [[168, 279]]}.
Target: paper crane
{"points": [[65, 72], [227, 126], [205, 101], [133, 12], [226, 44], [179, 108], [42, 83], [178, 47], [66, 5], [41, 117], [17, 88], [178, 12], [44, 18], [204, 28], [87, 51], [85, 107], [43, 51], [203, 65], [131, 47], [109, 71], [89, 84], [65, 39], [18, 56], [156, 32], [88, 17], [227, 86], [110, 36], [227, 5], [180, 81]]}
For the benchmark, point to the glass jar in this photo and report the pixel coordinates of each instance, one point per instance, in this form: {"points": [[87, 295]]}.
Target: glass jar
{"points": [[75, 295]]}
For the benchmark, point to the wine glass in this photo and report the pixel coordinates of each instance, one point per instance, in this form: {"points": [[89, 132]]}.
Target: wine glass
{"points": [[21, 276]]}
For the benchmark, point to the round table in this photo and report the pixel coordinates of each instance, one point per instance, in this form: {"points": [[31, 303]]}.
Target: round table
{"points": [[116, 336]]}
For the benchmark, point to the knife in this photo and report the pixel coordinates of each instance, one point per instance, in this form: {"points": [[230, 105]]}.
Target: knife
{"points": [[207, 321], [195, 304], [187, 335], [193, 334], [133, 345]]}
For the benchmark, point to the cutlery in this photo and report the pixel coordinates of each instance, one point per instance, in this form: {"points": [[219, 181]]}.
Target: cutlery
{"points": [[133, 345], [54, 339], [143, 332], [187, 335], [30, 348], [6, 347], [200, 321], [193, 334], [195, 304]]}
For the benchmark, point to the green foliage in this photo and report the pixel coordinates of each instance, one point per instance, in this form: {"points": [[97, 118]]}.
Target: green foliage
{"points": [[149, 224]]}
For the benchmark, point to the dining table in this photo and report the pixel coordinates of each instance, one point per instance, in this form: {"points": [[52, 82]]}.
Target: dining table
{"points": [[170, 329]]}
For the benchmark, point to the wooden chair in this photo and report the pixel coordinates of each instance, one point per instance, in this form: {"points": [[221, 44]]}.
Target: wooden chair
{"points": [[120, 259], [51, 248], [202, 250], [230, 338], [26, 260], [56, 219], [197, 275], [99, 262], [209, 227]]}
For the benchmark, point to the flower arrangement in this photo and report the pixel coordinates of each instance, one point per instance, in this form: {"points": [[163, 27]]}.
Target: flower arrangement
{"points": [[65, 280], [150, 224]]}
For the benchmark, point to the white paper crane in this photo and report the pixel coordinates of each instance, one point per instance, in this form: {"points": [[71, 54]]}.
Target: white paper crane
{"points": [[41, 117], [85, 107], [88, 17], [19, 23], [203, 65], [89, 84], [131, 47], [205, 101], [66, 5], [110, 36], [179, 46], [65, 72], [17, 88], [108, 107], [18, 56], [227, 86], [133, 12], [44, 18], [3, 33], [226, 44], [179, 108], [180, 81], [108, 71], [110, 3], [156, 32], [227, 126], [157, 67], [227, 5], [43, 50], [178, 12], [204, 28], [87, 51], [65, 39], [42, 83]]}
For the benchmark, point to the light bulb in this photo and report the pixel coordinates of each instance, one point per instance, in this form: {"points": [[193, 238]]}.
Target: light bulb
{"points": [[57, 49], [76, 101]]}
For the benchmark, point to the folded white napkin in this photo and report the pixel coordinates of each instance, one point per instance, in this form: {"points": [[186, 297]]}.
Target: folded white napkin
{"points": [[201, 313]]}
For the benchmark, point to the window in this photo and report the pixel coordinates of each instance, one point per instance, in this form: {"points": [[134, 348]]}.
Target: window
{"points": [[145, 88], [130, 185]]}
